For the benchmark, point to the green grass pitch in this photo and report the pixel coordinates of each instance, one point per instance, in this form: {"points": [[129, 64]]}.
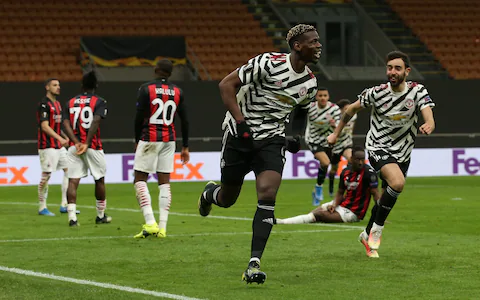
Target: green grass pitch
{"points": [[430, 247]]}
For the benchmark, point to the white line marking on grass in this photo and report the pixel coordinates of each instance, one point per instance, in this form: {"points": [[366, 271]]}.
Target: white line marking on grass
{"points": [[65, 239], [171, 235], [97, 284], [181, 214], [168, 236]]}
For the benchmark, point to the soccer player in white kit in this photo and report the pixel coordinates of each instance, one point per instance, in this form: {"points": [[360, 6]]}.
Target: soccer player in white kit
{"points": [[323, 117], [395, 107]]}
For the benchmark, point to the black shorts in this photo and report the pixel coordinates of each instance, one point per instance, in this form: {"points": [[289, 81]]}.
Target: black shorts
{"points": [[379, 158], [317, 148], [240, 156], [335, 158]]}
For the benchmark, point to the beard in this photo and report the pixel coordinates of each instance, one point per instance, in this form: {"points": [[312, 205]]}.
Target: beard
{"points": [[398, 79], [307, 55]]}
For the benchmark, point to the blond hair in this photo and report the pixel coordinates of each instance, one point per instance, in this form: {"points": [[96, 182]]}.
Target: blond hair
{"points": [[297, 31]]}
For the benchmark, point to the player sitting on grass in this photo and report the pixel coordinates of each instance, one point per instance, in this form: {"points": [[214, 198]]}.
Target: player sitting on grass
{"points": [[358, 181]]}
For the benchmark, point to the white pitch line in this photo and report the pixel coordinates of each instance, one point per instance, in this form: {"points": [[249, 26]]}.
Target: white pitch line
{"points": [[170, 235], [182, 214], [65, 239], [97, 284]]}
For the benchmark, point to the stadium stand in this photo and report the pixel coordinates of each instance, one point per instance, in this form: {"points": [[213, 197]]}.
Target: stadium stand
{"points": [[450, 29], [41, 38]]}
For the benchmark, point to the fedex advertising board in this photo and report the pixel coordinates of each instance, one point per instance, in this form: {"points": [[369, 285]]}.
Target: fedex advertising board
{"points": [[204, 166]]}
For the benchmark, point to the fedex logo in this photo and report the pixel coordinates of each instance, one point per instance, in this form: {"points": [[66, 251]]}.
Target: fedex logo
{"points": [[188, 171], [470, 165], [11, 175], [310, 167], [302, 167]]}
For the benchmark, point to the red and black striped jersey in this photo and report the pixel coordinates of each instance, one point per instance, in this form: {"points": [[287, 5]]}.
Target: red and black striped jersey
{"points": [[358, 185], [50, 111], [80, 111], [158, 102]]}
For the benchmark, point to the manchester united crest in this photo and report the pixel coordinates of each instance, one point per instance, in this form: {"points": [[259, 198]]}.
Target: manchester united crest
{"points": [[302, 92], [409, 103]]}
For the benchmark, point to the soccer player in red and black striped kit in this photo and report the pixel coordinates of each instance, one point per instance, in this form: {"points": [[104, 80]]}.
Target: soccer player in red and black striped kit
{"points": [[358, 182], [81, 119], [51, 142], [158, 102]]}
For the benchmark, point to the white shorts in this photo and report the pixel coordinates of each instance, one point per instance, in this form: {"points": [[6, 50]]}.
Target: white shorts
{"points": [[52, 160], [152, 157], [93, 160], [347, 215]]}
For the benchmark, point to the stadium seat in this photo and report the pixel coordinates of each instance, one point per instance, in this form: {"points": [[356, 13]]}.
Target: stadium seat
{"points": [[452, 35], [210, 26]]}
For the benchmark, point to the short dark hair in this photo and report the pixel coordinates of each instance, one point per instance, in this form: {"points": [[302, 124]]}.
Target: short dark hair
{"points": [[322, 88], [89, 80], [398, 54], [47, 82], [357, 149], [342, 102], [164, 65], [295, 32]]}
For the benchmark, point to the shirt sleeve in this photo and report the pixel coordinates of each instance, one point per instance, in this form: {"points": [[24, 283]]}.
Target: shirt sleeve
{"points": [[43, 112], [366, 97], [424, 98], [101, 108], [142, 99], [254, 70], [182, 112], [372, 177], [337, 114]]}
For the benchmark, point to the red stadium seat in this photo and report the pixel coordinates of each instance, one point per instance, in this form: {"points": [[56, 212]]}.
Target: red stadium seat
{"points": [[49, 45], [452, 35]]}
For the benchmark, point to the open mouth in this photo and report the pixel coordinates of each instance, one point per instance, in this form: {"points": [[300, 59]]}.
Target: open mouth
{"points": [[317, 54]]}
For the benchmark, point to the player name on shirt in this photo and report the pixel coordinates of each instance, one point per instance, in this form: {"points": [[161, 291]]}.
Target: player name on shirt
{"points": [[164, 91], [80, 110]]}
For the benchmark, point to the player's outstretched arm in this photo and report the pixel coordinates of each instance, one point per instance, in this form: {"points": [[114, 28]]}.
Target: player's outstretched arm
{"points": [[228, 90], [351, 111], [429, 126]]}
